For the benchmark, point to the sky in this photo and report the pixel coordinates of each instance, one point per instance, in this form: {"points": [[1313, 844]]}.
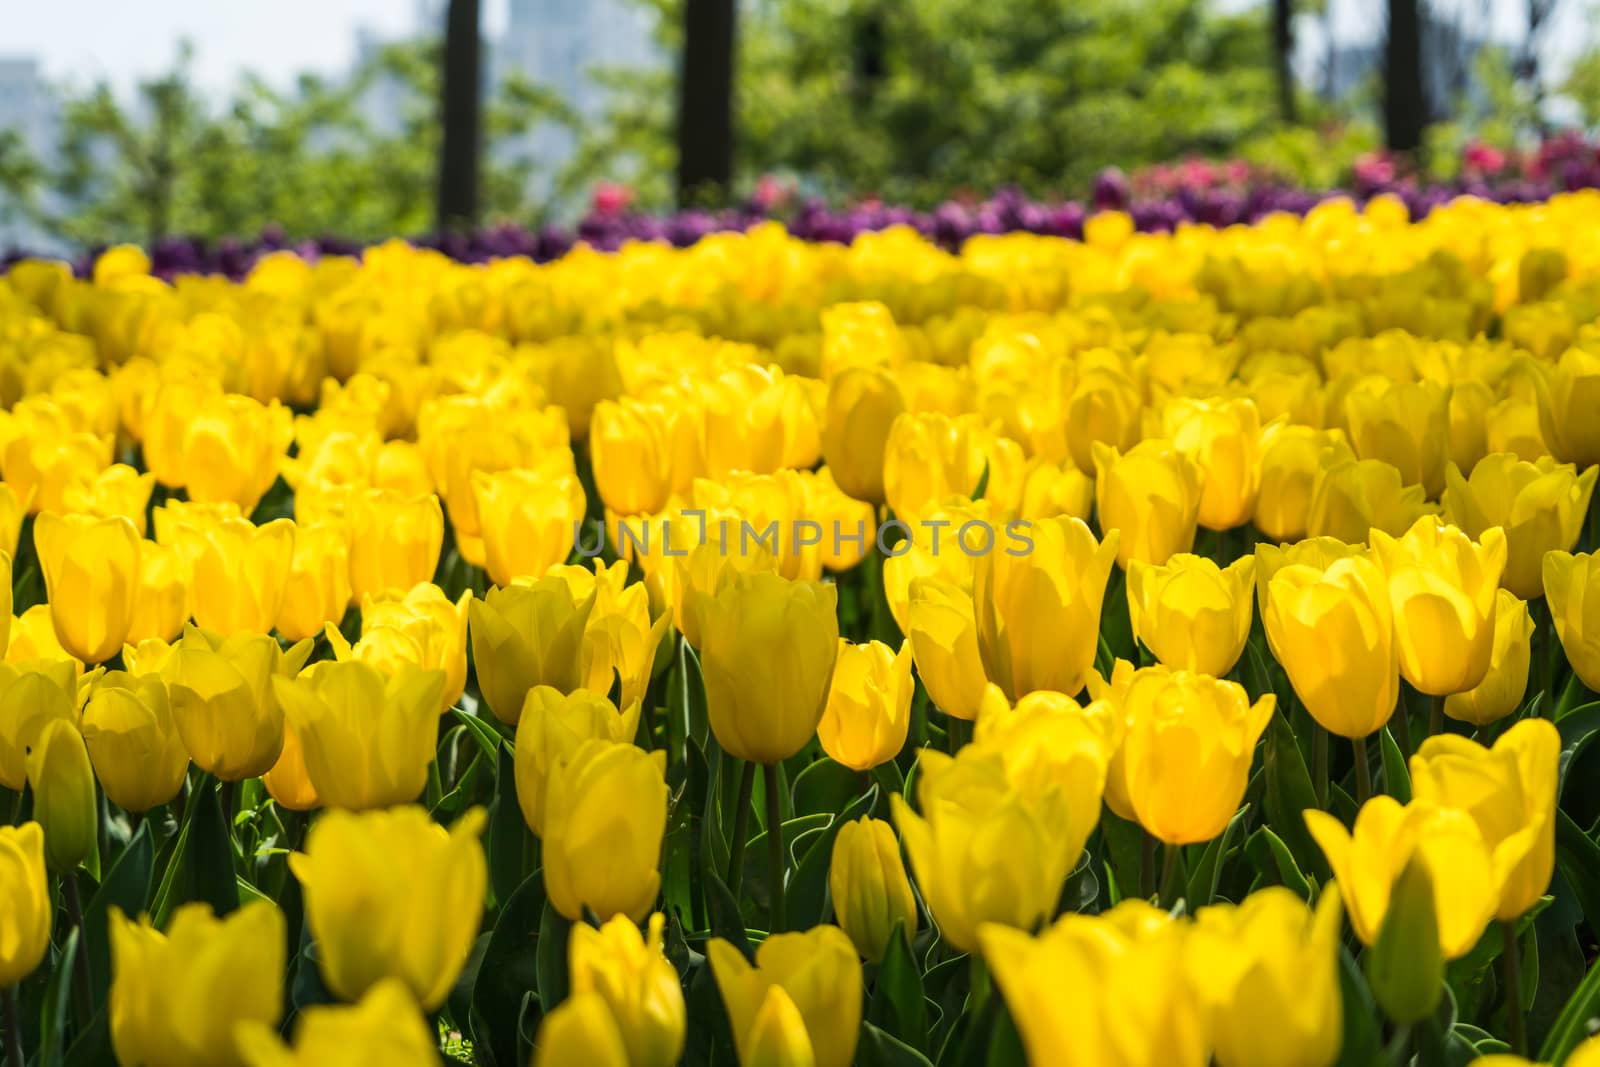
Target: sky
{"points": [[82, 41]]}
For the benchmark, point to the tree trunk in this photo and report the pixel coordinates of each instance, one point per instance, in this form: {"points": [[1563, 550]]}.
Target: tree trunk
{"points": [[461, 112], [1405, 107], [705, 106], [1283, 56]]}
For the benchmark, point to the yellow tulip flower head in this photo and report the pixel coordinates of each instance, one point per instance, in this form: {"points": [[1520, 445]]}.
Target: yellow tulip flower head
{"points": [[869, 704], [637, 983], [25, 896], [91, 574], [385, 1028], [1540, 506], [524, 636], [1191, 613], [605, 815], [819, 975], [1150, 497], [133, 740], [869, 886]]}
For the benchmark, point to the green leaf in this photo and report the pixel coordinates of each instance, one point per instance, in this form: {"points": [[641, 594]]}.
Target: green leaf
{"points": [[92, 1048], [1273, 860], [1362, 1043], [487, 737], [1207, 873], [1578, 731], [507, 838], [1289, 795], [897, 1005], [686, 704], [1572, 1025], [879, 1049], [509, 969], [983, 483], [551, 957], [808, 883], [57, 999], [126, 887], [1578, 858], [726, 920], [1396, 778], [824, 786], [201, 869]]}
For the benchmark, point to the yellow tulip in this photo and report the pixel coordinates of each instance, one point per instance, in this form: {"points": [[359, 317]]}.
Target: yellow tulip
{"points": [[1351, 498], [1054, 587], [1191, 613], [1369, 862], [1223, 438], [634, 453], [1540, 506], [232, 447], [25, 896], [238, 571], [947, 543], [869, 886], [1104, 410], [818, 973], [551, 728], [392, 894], [863, 403], [984, 850], [31, 697], [420, 626], [1332, 629], [748, 418], [778, 1036], [1510, 792], [394, 540], [1048, 741], [62, 780], [1572, 589], [384, 1029], [1268, 971], [929, 456], [133, 741], [289, 783], [605, 815], [161, 605], [91, 573], [529, 520], [847, 523], [637, 983], [1569, 395], [524, 636], [1502, 689], [366, 738], [869, 705], [223, 703], [1132, 1005], [12, 510], [942, 625], [1185, 729], [1049, 490], [1292, 457], [1586, 1054], [580, 1030], [1150, 496], [1470, 401], [767, 649], [1442, 592], [165, 1008], [117, 490], [1406, 426], [317, 590]]}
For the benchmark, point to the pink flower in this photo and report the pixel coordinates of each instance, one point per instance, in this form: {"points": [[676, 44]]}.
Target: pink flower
{"points": [[1481, 159], [771, 191], [611, 198], [1374, 168]]}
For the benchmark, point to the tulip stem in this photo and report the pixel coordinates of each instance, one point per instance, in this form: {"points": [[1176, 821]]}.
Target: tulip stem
{"points": [[13, 1025], [1147, 864], [81, 980], [1363, 772], [741, 824], [1436, 717], [1319, 765], [1169, 874], [227, 805], [1511, 961], [775, 863]]}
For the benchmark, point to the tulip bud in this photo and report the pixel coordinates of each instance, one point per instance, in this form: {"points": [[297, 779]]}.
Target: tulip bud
{"points": [[639, 986], [31, 697], [244, 954], [551, 728], [223, 703], [421, 626], [524, 636], [1569, 395], [1540, 506], [1056, 587], [1406, 426], [869, 886], [232, 448], [580, 1030], [1351, 498], [632, 448], [869, 705], [819, 974], [1150, 497], [384, 1029], [91, 574], [394, 540], [1502, 689], [1405, 967], [289, 783], [366, 738], [1572, 589], [161, 605], [317, 590], [929, 456], [63, 795], [369, 880], [1442, 592], [25, 900], [1191, 613], [943, 628], [1049, 490], [863, 403], [1223, 438], [133, 742], [1292, 457], [238, 571], [605, 816], [529, 520], [757, 628], [1104, 410], [748, 413]]}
